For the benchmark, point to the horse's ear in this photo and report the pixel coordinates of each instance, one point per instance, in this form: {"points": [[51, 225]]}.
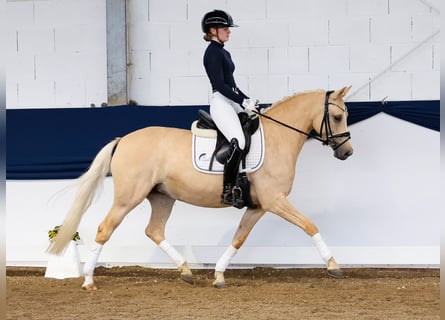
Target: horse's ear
{"points": [[342, 92]]}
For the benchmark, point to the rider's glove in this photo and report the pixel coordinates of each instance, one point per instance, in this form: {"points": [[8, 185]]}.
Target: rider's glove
{"points": [[251, 106]]}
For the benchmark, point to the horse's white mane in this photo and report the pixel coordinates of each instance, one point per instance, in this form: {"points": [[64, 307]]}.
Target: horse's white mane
{"points": [[292, 96]]}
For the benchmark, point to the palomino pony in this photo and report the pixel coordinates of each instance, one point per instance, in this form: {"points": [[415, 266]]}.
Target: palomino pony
{"points": [[142, 168]]}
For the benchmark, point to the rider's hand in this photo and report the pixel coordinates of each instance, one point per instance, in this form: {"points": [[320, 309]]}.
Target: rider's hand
{"points": [[250, 106]]}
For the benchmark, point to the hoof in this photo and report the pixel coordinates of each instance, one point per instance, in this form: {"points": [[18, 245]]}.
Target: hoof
{"points": [[335, 273], [187, 278], [220, 285], [89, 287]]}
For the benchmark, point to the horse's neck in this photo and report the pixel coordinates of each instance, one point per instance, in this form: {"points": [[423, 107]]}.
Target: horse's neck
{"points": [[298, 112]]}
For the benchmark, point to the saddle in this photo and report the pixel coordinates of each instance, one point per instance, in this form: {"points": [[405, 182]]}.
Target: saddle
{"points": [[249, 126], [222, 147]]}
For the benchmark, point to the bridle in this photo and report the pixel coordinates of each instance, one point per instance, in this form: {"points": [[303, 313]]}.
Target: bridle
{"points": [[325, 124]]}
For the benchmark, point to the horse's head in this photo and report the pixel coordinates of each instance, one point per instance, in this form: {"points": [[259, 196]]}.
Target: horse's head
{"points": [[332, 123]]}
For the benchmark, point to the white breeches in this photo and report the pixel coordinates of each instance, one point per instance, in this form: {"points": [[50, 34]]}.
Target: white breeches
{"points": [[225, 115]]}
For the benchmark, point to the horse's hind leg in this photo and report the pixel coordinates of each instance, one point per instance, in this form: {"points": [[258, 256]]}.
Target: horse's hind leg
{"points": [[128, 194], [106, 228], [161, 206], [248, 221]]}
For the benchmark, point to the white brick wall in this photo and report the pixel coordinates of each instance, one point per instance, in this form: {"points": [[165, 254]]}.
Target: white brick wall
{"points": [[419, 60], [363, 58], [385, 86], [57, 50], [56, 53], [349, 30], [299, 35], [391, 29], [424, 85], [368, 7], [167, 11], [284, 46], [436, 57], [409, 7]]}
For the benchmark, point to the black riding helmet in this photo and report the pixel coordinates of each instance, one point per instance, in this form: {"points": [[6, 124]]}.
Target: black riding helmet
{"points": [[216, 19]]}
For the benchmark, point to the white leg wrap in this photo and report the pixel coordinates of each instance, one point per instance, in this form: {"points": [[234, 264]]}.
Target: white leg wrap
{"points": [[224, 261], [172, 253], [90, 264], [322, 247]]}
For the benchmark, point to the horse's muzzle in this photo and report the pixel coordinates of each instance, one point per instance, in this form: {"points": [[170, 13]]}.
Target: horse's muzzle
{"points": [[343, 152]]}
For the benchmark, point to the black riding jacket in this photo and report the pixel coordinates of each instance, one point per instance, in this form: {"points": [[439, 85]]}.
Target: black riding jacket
{"points": [[220, 67]]}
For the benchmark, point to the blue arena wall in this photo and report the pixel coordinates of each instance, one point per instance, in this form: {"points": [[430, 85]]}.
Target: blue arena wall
{"points": [[61, 143]]}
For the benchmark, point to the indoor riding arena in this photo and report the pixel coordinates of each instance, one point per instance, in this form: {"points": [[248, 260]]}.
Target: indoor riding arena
{"points": [[340, 191]]}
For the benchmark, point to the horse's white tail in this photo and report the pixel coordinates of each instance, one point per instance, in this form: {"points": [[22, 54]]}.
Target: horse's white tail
{"points": [[88, 184]]}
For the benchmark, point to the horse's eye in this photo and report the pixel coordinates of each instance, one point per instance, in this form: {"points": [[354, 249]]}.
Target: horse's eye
{"points": [[337, 118]]}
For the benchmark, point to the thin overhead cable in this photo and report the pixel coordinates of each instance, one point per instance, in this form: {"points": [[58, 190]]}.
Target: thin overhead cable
{"points": [[374, 78], [428, 4]]}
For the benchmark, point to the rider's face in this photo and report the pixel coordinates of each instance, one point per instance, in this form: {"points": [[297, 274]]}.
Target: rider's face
{"points": [[221, 34]]}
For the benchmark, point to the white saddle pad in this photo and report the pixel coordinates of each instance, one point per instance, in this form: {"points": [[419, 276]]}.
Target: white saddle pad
{"points": [[203, 145]]}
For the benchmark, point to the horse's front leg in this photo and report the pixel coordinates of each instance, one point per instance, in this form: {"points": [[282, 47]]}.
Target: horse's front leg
{"points": [[283, 208], [249, 219]]}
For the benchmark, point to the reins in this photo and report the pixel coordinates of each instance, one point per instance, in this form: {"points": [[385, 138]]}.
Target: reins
{"points": [[284, 124], [324, 124]]}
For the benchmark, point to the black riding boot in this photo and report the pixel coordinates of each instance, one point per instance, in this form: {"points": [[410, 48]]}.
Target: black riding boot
{"points": [[232, 193]]}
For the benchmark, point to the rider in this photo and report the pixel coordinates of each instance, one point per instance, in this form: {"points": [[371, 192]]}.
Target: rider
{"points": [[227, 99]]}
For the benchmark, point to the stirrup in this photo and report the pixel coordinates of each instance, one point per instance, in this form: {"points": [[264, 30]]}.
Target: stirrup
{"points": [[233, 197]]}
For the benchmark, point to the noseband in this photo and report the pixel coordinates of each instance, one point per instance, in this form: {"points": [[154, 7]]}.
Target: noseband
{"points": [[325, 124]]}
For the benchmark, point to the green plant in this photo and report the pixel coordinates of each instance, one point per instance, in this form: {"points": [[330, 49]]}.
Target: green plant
{"points": [[53, 233]]}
